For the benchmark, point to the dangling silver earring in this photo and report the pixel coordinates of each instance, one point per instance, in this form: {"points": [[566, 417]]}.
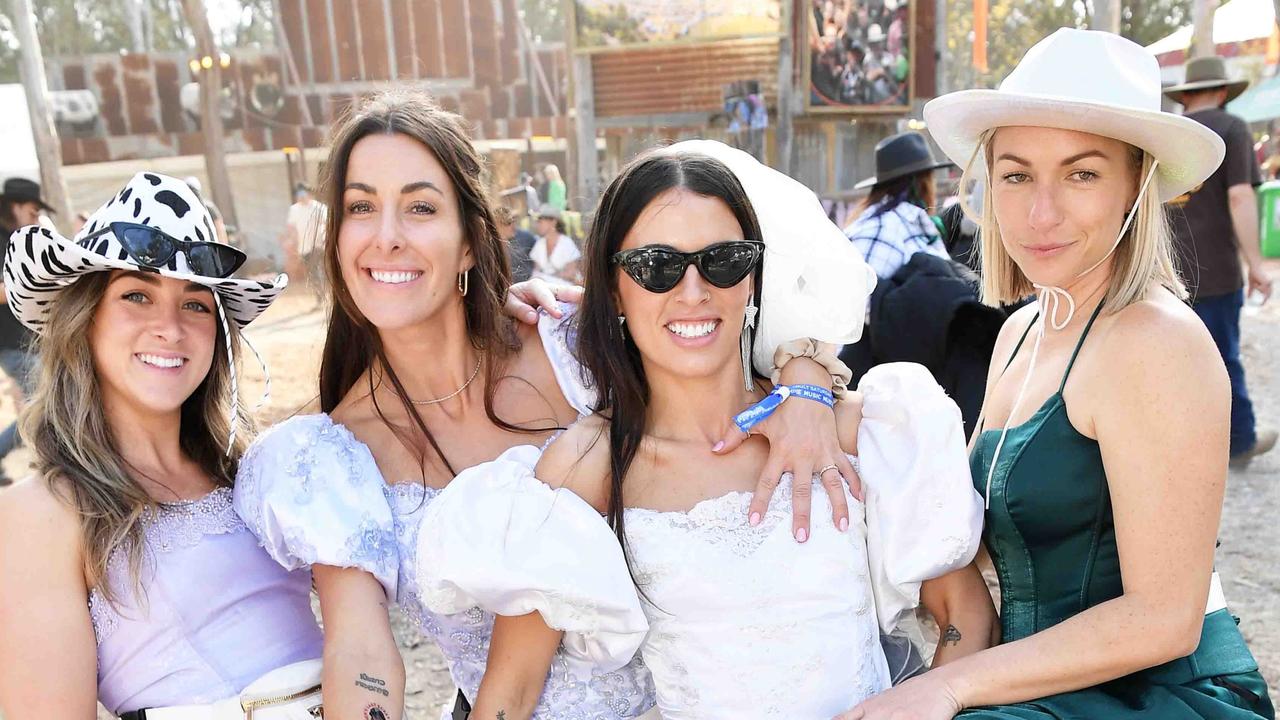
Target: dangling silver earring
{"points": [[622, 320], [748, 322], [464, 281]]}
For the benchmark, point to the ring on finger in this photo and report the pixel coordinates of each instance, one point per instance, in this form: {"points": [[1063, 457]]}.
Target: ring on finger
{"points": [[828, 468]]}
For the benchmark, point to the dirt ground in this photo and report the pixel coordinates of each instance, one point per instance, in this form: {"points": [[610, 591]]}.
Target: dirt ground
{"points": [[291, 334]]}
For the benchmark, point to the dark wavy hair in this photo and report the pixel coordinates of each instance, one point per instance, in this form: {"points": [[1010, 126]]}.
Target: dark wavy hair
{"points": [[352, 344], [606, 351]]}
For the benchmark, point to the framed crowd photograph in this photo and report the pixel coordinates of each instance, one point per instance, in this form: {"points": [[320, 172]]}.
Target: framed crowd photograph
{"points": [[859, 55], [601, 25]]}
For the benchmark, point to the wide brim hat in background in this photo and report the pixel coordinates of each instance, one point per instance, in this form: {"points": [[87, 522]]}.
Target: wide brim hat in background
{"points": [[1089, 81], [1207, 73], [551, 212], [40, 263], [21, 190], [899, 156]]}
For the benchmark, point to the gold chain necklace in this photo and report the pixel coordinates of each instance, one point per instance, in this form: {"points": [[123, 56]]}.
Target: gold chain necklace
{"points": [[455, 393]]}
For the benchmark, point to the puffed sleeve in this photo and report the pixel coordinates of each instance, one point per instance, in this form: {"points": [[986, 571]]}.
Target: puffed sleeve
{"points": [[312, 495], [559, 338], [500, 539], [924, 517]]}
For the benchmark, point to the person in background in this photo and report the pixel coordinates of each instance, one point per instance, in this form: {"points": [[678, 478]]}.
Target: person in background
{"points": [[925, 309], [519, 243], [557, 194], [895, 222], [219, 227], [1218, 224], [20, 206], [77, 224], [531, 200], [555, 256], [304, 237]]}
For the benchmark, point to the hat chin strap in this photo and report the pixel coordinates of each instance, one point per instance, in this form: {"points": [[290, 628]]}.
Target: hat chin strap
{"points": [[234, 414], [1051, 300]]}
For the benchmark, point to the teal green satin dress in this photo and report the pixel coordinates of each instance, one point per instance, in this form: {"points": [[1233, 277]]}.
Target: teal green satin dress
{"points": [[1052, 538]]}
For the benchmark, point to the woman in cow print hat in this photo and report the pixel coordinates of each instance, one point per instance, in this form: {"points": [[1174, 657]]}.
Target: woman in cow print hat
{"points": [[126, 576]]}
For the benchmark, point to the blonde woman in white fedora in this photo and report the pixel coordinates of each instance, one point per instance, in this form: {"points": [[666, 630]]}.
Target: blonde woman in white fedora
{"points": [[1104, 453], [126, 576]]}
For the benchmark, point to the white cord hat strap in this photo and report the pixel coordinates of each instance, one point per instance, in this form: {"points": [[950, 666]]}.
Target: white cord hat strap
{"points": [[231, 363], [1017, 401]]}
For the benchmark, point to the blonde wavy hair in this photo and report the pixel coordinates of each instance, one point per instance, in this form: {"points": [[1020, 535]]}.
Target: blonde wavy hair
{"points": [[1143, 258], [76, 452]]}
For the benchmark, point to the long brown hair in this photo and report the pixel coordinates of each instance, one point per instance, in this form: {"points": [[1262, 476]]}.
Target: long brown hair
{"points": [[352, 345], [606, 350], [918, 189], [76, 451]]}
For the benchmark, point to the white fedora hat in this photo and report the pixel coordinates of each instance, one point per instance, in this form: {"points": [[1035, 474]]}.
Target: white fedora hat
{"points": [[1089, 81]]}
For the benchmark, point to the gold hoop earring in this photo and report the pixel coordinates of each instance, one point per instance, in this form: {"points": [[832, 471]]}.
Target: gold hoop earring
{"points": [[464, 282]]}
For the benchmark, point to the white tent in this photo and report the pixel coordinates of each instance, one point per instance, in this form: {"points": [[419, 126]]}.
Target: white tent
{"points": [[1233, 22]]}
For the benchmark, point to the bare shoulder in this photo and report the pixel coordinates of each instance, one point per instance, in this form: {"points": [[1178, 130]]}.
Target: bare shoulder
{"points": [[1157, 355], [39, 520], [530, 360], [579, 460], [1160, 338], [1014, 327]]}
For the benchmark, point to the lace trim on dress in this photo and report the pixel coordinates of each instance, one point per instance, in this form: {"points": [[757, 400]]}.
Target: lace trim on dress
{"points": [[720, 520], [167, 527]]}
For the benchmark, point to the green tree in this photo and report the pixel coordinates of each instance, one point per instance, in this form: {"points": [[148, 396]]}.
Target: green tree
{"points": [[1013, 26], [1146, 21]]}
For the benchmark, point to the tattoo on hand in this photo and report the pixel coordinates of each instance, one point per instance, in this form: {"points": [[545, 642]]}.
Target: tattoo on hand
{"points": [[502, 715], [951, 636], [373, 684], [373, 711]]}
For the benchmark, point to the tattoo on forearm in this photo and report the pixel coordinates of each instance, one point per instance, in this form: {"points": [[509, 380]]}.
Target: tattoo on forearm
{"points": [[373, 684], [951, 636], [373, 711]]}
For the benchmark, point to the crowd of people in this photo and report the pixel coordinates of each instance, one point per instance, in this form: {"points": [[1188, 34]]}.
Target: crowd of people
{"points": [[653, 491], [859, 52]]}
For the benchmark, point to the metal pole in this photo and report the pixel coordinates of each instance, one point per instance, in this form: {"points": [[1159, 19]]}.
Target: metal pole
{"points": [[48, 147], [786, 128]]}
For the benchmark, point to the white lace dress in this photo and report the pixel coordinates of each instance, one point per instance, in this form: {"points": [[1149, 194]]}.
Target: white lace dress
{"points": [[744, 622]]}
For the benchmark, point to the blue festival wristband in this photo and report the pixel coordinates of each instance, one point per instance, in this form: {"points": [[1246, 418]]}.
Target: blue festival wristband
{"points": [[816, 393], [757, 413]]}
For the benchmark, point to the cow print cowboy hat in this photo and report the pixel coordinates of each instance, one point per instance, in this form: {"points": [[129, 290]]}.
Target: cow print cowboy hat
{"points": [[40, 262]]}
